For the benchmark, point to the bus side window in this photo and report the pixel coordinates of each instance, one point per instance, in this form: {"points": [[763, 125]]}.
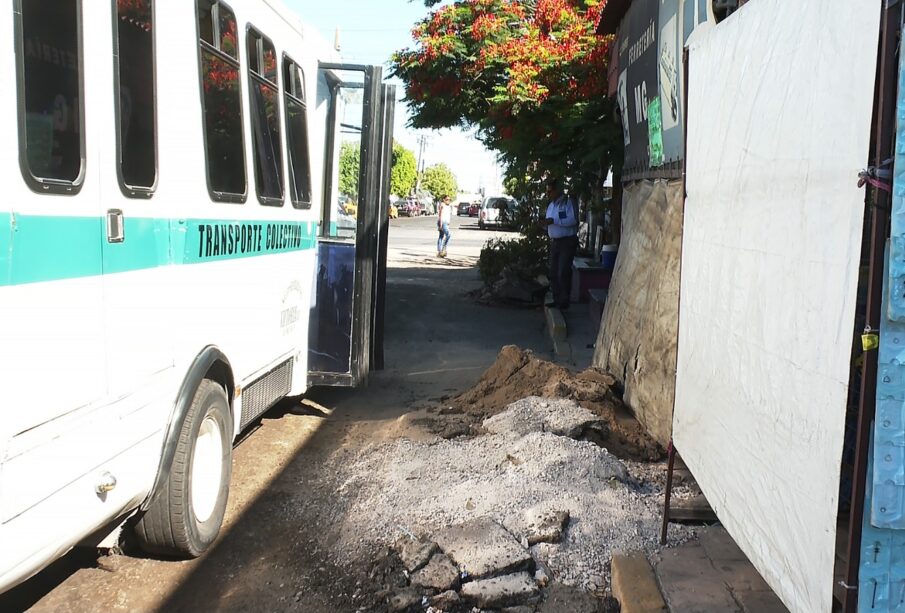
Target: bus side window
{"points": [[297, 134], [136, 138], [222, 101], [265, 118], [49, 71]]}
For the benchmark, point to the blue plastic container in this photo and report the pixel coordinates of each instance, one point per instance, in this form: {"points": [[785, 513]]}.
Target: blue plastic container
{"points": [[608, 256]]}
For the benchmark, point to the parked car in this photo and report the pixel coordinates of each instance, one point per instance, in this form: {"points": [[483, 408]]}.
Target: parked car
{"points": [[473, 209], [408, 208], [496, 211], [462, 209]]}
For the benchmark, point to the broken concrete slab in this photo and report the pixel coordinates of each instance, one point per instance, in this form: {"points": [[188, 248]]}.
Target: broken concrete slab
{"points": [[634, 584], [446, 601], [562, 598], [545, 526], [504, 591], [439, 574], [559, 416], [483, 548], [405, 599], [519, 609], [415, 553]]}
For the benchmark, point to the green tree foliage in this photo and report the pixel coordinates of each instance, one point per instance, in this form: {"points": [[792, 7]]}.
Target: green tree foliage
{"points": [[530, 75], [349, 165], [439, 181], [404, 173]]}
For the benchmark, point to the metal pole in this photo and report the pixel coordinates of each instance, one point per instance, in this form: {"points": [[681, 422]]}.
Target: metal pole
{"points": [[671, 453], [883, 128]]}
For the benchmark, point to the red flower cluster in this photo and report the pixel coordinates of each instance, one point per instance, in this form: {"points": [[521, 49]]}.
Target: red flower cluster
{"points": [[552, 50]]}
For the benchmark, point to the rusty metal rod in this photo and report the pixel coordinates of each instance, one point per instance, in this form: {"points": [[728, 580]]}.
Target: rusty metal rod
{"points": [[883, 129]]}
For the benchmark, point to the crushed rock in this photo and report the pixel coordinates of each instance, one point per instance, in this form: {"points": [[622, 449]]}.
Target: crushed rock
{"points": [[534, 414], [408, 487]]}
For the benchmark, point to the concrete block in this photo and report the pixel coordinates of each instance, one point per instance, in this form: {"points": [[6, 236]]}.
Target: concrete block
{"points": [[483, 548], [634, 584], [439, 574], [415, 553], [505, 591], [556, 323]]}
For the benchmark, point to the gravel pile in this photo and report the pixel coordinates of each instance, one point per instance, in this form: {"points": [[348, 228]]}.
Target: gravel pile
{"points": [[405, 487]]}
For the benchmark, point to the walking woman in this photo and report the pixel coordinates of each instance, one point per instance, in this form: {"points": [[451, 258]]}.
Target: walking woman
{"points": [[444, 216]]}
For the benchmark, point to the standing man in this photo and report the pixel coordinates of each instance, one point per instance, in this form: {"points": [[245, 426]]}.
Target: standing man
{"points": [[561, 222], [444, 216]]}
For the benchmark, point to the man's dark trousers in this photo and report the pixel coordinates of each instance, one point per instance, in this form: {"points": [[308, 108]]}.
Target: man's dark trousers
{"points": [[562, 252]]}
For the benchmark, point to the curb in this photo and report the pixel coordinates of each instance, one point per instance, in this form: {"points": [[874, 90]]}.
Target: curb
{"points": [[635, 586], [558, 332]]}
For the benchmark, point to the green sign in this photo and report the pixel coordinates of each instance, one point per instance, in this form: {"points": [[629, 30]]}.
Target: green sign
{"points": [[655, 132]]}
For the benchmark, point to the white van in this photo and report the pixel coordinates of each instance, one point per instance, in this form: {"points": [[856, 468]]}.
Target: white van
{"points": [[497, 211]]}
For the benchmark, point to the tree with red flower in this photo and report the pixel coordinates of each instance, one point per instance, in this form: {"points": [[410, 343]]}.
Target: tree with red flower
{"points": [[529, 75]]}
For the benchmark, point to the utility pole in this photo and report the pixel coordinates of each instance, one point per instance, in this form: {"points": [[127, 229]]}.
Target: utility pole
{"points": [[422, 143]]}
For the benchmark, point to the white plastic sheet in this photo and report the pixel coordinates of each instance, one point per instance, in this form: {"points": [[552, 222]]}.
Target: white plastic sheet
{"points": [[780, 100]]}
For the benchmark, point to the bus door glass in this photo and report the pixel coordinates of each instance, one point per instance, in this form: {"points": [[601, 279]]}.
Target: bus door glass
{"points": [[340, 324]]}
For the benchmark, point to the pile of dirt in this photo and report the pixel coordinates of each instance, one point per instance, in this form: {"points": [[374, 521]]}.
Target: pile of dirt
{"points": [[518, 373], [567, 505]]}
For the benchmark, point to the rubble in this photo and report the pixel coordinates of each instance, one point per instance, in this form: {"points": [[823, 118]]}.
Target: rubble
{"points": [[415, 553], [545, 526], [439, 574], [483, 548], [516, 514], [514, 589]]}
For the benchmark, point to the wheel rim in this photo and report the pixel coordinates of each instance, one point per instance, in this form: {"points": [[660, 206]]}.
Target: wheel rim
{"points": [[207, 469]]}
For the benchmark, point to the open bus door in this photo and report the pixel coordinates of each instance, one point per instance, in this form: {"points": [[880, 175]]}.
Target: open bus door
{"points": [[345, 331]]}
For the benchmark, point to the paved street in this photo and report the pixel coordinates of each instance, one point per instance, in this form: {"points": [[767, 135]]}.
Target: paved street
{"points": [[417, 236]]}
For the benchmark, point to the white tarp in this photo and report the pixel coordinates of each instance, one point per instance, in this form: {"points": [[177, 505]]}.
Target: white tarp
{"points": [[780, 100]]}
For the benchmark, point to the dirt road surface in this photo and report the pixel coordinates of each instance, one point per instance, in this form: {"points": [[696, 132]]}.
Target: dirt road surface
{"points": [[274, 553]]}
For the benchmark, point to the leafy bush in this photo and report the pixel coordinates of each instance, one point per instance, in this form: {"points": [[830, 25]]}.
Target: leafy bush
{"points": [[526, 256]]}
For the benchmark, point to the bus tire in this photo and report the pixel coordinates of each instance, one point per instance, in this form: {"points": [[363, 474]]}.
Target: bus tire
{"points": [[185, 516]]}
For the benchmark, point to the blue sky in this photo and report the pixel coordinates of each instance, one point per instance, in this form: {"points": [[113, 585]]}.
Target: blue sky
{"points": [[369, 32]]}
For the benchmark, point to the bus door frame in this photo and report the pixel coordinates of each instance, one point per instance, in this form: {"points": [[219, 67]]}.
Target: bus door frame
{"points": [[367, 240]]}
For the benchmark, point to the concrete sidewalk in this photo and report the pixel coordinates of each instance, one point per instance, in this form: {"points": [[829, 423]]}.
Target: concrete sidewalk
{"points": [[708, 575], [572, 334]]}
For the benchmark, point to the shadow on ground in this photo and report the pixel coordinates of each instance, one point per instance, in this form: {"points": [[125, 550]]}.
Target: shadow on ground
{"points": [[275, 552]]}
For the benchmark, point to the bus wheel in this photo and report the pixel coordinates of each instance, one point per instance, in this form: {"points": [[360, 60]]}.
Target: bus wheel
{"points": [[185, 516]]}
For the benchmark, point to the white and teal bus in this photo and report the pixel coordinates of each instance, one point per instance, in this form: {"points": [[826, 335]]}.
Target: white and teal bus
{"points": [[170, 240]]}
